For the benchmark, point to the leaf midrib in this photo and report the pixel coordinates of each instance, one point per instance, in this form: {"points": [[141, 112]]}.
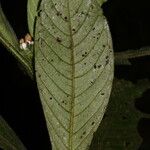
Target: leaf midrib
{"points": [[70, 140]]}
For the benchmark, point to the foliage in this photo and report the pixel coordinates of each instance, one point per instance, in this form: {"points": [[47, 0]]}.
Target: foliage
{"points": [[8, 138], [73, 61], [121, 118]]}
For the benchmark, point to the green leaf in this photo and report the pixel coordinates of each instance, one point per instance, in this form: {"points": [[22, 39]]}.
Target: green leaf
{"points": [[121, 118], [32, 13], [7, 35], [74, 69], [9, 39], [100, 2], [8, 138]]}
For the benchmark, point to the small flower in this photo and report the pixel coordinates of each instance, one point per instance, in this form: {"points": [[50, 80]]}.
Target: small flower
{"points": [[23, 45], [28, 39], [25, 42]]}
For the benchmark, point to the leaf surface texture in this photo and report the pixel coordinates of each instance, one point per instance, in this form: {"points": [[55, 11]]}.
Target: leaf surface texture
{"points": [[74, 69]]}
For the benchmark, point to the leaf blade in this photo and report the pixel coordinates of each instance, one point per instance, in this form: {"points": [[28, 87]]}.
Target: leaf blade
{"points": [[122, 117], [32, 13], [74, 69], [9, 39], [7, 34], [8, 138]]}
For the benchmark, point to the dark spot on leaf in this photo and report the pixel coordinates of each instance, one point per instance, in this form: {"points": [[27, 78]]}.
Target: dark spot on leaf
{"points": [[97, 38], [58, 13], [76, 11], [73, 29], [84, 132], [50, 98], [58, 40], [64, 102], [94, 37], [66, 18], [94, 28], [102, 93], [55, 4], [99, 66], [43, 59], [81, 137], [92, 6], [92, 123], [91, 82], [107, 61], [87, 14], [104, 46], [52, 60], [82, 13], [94, 66], [107, 57], [39, 76], [84, 63], [83, 55]]}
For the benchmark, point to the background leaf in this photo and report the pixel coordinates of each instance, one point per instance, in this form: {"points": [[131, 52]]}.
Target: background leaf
{"points": [[8, 138], [9, 39], [7, 35], [74, 69], [118, 129], [32, 13]]}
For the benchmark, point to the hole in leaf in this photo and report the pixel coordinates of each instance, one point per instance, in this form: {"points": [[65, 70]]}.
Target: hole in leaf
{"points": [[59, 40], [65, 18], [94, 66], [84, 132], [92, 123], [102, 93]]}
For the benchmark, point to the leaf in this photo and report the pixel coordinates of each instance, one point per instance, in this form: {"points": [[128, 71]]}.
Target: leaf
{"points": [[74, 70], [121, 118], [32, 13], [100, 2], [8, 138], [9, 39], [7, 35]]}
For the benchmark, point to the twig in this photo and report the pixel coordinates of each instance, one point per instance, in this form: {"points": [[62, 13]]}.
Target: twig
{"points": [[123, 57]]}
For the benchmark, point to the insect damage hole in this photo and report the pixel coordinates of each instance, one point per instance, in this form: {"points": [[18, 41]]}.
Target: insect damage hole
{"points": [[92, 123], [95, 66], [59, 39], [73, 30], [102, 93]]}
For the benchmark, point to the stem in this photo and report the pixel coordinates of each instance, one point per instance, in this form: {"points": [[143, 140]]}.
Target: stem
{"points": [[122, 58], [144, 51]]}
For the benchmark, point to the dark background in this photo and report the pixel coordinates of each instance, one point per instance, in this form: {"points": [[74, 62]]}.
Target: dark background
{"points": [[129, 22]]}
